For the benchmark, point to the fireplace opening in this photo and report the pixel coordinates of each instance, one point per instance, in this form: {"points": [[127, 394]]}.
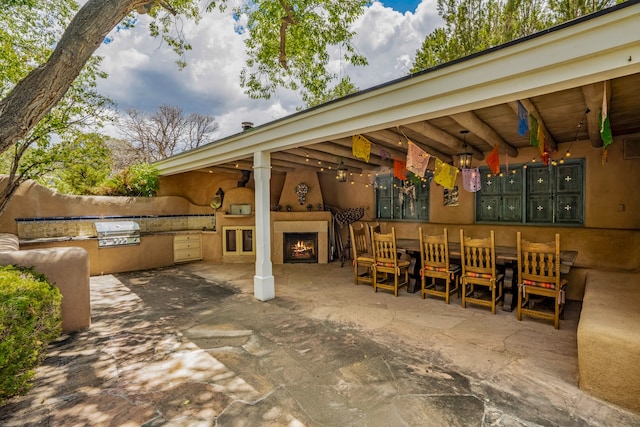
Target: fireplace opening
{"points": [[300, 247]]}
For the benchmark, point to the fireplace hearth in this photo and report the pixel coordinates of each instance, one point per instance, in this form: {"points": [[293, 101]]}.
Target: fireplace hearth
{"points": [[300, 248]]}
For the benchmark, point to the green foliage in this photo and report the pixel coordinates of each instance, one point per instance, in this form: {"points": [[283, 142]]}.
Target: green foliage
{"points": [[565, 10], [289, 48], [86, 163], [28, 35], [475, 25], [30, 318], [139, 180], [27, 38], [343, 88]]}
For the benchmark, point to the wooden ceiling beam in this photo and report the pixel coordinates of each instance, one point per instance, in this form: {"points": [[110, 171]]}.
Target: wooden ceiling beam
{"points": [[393, 139], [593, 100], [301, 162], [378, 144], [468, 120], [328, 158], [334, 153], [283, 159], [435, 133], [347, 152], [531, 109], [342, 147]]}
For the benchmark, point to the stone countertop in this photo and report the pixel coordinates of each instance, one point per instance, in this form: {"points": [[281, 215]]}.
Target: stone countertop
{"points": [[84, 238]]}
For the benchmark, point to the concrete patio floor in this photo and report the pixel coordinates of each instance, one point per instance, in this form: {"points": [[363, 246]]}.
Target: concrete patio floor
{"points": [[190, 346]]}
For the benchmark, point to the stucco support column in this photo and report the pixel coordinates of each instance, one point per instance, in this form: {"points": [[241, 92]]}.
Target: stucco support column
{"points": [[263, 282]]}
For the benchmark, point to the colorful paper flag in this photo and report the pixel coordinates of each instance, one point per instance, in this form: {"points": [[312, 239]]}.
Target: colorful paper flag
{"points": [[361, 147], [400, 169], [417, 159], [445, 174], [523, 125], [533, 134], [471, 180], [541, 141], [605, 125], [493, 160]]}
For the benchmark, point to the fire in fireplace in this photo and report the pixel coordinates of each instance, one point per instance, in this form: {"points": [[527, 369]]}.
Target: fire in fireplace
{"points": [[300, 247]]}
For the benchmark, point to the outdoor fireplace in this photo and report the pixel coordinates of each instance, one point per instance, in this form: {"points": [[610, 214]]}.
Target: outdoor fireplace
{"points": [[300, 247]]}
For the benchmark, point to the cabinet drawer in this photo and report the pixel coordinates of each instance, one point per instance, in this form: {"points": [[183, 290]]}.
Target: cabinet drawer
{"points": [[186, 238], [182, 255], [191, 244]]}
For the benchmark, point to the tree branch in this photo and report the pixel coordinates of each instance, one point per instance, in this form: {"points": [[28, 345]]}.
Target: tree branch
{"points": [[287, 20]]}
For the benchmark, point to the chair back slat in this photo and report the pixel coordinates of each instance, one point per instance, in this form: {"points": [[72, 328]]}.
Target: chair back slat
{"points": [[434, 250], [375, 228], [384, 247], [478, 255], [358, 240]]}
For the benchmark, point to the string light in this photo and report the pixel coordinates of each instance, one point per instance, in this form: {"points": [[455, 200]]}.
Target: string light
{"points": [[575, 137]]}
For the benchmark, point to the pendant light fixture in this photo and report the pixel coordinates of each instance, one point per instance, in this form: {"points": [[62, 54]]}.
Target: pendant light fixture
{"points": [[464, 158], [341, 174]]}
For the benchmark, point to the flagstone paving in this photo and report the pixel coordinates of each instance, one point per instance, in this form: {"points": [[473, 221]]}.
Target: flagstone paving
{"points": [[190, 346]]}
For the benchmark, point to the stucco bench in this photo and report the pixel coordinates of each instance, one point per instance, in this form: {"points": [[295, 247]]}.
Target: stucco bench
{"points": [[609, 338], [66, 268]]}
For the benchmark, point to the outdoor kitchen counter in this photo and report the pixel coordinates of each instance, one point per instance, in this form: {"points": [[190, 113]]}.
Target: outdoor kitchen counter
{"points": [[26, 242], [154, 250], [44, 240]]}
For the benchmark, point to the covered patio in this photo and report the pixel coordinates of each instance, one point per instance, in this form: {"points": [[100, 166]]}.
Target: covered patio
{"points": [[189, 345], [562, 77]]}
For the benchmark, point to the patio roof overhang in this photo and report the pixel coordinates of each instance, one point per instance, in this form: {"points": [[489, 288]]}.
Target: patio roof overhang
{"points": [[557, 74]]}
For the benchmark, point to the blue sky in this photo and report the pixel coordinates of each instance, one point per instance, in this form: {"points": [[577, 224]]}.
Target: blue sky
{"points": [[143, 74], [401, 6]]}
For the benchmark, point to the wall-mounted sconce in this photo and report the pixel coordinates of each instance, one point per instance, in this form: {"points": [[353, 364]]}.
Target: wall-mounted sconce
{"points": [[341, 174], [464, 159]]}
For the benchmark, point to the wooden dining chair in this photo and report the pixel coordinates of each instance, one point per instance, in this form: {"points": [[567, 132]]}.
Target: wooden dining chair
{"points": [[539, 274], [434, 258], [386, 262], [478, 257], [362, 257]]}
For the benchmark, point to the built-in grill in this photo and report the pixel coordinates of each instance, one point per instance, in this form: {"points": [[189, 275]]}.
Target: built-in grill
{"points": [[117, 233]]}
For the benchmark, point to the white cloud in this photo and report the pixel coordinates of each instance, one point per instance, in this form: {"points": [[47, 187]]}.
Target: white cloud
{"points": [[143, 73]]}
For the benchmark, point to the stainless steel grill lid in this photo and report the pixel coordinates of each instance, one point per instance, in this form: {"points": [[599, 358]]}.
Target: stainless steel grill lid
{"points": [[117, 233]]}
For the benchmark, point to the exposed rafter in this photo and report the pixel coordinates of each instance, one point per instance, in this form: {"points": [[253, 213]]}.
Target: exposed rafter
{"points": [[342, 147], [593, 99], [435, 133], [317, 163], [531, 109], [471, 122], [376, 146], [329, 158]]}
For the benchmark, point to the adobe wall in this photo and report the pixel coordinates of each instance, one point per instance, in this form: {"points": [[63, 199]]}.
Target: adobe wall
{"points": [[609, 239], [612, 223]]}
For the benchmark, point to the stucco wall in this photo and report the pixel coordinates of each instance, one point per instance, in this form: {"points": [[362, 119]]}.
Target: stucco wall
{"points": [[32, 200], [609, 239]]}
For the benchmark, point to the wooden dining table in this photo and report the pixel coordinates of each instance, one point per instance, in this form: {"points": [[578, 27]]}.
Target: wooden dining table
{"points": [[505, 255]]}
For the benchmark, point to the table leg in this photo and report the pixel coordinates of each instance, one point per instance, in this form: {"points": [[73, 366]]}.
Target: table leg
{"points": [[414, 273], [510, 281]]}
